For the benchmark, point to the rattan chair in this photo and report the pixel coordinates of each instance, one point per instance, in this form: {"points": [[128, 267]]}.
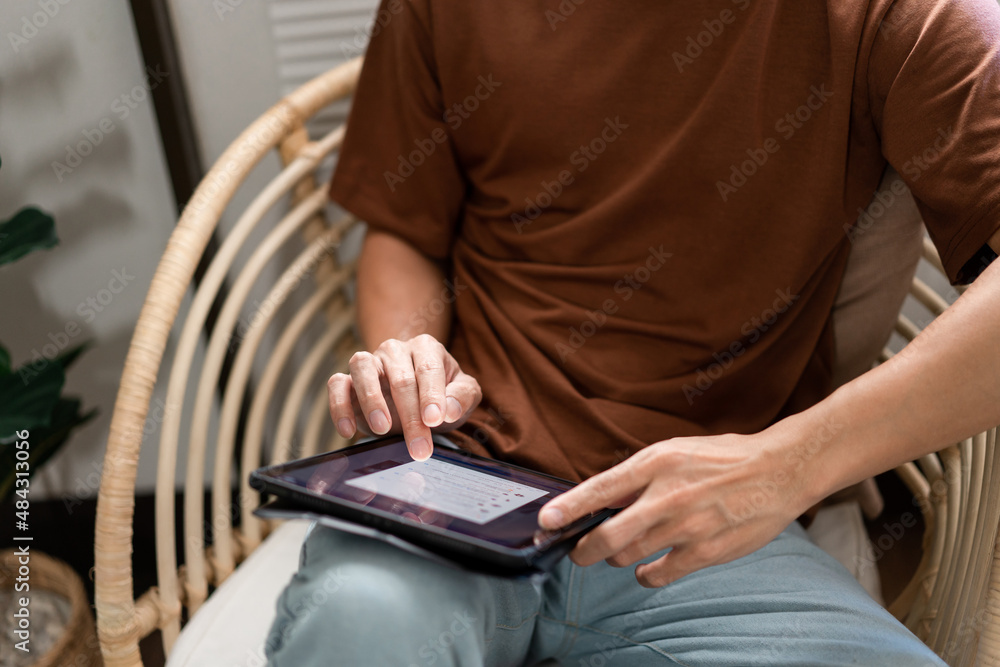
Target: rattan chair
{"points": [[949, 602]]}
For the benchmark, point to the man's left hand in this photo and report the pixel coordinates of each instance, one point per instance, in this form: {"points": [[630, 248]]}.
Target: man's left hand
{"points": [[712, 499]]}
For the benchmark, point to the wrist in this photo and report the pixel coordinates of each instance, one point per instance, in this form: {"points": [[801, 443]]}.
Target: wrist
{"points": [[809, 454]]}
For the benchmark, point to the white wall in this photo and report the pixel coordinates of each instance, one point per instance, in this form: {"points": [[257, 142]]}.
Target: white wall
{"points": [[62, 82]]}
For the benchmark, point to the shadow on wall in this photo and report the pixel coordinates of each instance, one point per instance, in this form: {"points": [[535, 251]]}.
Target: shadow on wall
{"points": [[88, 171]]}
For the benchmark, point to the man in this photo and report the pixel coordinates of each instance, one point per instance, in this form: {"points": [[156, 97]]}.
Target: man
{"points": [[605, 242]]}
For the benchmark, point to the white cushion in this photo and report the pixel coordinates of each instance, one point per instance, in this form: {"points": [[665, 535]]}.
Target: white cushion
{"points": [[840, 531], [230, 628]]}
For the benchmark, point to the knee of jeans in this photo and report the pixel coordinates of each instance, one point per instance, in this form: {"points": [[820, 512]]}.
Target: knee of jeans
{"points": [[344, 604], [376, 583], [356, 605]]}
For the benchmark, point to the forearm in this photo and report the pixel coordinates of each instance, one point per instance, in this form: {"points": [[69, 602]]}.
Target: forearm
{"points": [[943, 387], [398, 292]]}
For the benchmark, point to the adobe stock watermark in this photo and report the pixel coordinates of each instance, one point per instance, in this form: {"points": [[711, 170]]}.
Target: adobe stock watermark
{"points": [[275, 125], [88, 309], [245, 501], [30, 25], [606, 649], [87, 486], [892, 533], [786, 126], [430, 312], [751, 331], [262, 311], [914, 168], [223, 7], [625, 289], [454, 117], [970, 630], [890, 24], [565, 9], [364, 34], [496, 418], [581, 158], [122, 107], [913, 349], [436, 648], [879, 206], [714, 27], [334, 579], [918, 164], [768, 490]]}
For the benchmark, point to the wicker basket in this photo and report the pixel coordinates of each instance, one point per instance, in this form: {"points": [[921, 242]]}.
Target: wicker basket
{"points": [[77, 647]]}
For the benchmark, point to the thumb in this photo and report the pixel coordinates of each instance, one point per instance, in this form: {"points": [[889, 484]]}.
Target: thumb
{"points": [[462, 396]]}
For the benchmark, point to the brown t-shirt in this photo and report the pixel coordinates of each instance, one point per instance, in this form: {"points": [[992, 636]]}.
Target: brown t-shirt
{"points": [[646, 205]]}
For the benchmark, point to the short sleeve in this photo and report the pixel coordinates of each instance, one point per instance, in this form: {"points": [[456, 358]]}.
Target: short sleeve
{"points": [[934, 94], [397, 170]]}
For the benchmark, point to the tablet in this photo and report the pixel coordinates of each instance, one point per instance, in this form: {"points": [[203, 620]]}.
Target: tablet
{"points": [[479, 513]]}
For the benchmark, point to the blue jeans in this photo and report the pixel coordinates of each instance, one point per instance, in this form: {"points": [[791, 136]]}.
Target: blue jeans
{"points": [[357, 601]]}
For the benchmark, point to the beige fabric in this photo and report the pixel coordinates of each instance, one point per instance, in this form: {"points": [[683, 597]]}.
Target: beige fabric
{"points": [[887, 243], [840, 531]]}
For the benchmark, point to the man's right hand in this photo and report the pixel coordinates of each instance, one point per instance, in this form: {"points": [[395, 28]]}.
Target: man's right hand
{"points": [[407, 387]]}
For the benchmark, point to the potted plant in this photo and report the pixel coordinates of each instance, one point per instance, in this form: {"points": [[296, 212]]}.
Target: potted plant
{"points": [[31, 396], [50, 621]]}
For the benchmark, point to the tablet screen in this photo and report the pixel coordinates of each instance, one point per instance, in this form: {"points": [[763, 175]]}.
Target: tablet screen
{"points": [[451, 489], [475, 497]]}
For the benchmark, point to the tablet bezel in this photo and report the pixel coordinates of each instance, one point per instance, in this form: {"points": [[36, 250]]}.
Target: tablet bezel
{"points": [[468, 551]]}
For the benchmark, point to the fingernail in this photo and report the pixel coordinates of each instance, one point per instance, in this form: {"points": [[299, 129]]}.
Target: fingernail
{"points": [[345, 427], [551, 518], [379, 422], [421, 449], [432, 415], [454, 411]]}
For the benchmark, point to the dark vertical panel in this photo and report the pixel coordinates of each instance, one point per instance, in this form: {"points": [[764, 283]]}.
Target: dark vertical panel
{"points": [[180, 147], [173, 113]]}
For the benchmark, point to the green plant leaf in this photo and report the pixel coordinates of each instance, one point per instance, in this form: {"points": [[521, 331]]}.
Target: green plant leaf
{"points": [[4, 361], [27, 397], [44, 442], [67, 358], [30, 229]]}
